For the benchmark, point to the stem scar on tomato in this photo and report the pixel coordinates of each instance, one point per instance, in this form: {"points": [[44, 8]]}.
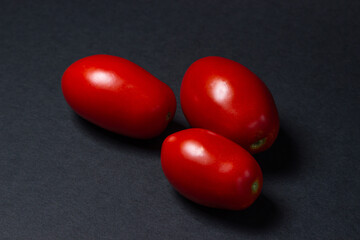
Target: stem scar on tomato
{"points": [[258, 144], [255, 187]]}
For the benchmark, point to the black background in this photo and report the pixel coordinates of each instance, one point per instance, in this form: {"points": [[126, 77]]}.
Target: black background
{"points": [[64, 178]]}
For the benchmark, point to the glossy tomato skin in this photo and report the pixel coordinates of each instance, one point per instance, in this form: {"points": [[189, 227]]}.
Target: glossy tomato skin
{"points": [[211, 170], [225, 97], [118, 95]]}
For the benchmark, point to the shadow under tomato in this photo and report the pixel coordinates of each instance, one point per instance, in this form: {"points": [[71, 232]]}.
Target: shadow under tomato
{"points": [[111, 138], [262, 215], [281, 157]]}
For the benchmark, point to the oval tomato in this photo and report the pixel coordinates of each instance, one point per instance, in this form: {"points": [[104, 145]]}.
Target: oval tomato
{"points": [[211, 170], [225, 97], [119, 96]]}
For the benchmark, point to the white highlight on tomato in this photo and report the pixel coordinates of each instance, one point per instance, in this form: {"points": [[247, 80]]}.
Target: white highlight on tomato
{"points": [[220, 91], [258, 122], [195, 151], [171, 139], [226, 167], [102, 78]]}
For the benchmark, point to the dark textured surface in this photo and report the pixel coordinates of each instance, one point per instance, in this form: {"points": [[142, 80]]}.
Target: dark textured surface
{"points": [[63, 178]]}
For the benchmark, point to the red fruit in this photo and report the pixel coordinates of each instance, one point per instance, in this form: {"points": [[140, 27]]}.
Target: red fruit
{"points": [[119, 96], [225, 97], [211, 170]]}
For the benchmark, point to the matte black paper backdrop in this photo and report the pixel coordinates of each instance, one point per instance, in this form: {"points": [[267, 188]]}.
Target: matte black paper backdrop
{"points": [[64, 178]]}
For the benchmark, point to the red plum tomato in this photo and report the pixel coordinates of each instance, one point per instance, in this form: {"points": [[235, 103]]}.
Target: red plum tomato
{"points": [[118, 95], [210, 169], [225, 97]]}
